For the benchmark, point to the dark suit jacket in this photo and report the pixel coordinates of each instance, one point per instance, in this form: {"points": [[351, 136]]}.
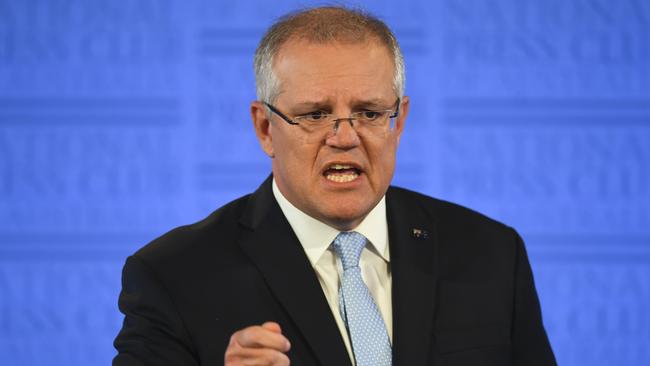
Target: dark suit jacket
{"points": [[463, 292]]}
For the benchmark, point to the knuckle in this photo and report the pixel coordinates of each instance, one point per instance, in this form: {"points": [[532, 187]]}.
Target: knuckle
{"points": [[271, 357], [279, 359], [282, 360], [249, 335], [232, 352], [230, 359], [246, 336]]}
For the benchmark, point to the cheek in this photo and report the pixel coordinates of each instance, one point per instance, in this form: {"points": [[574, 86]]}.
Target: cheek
{"points": [[388, 166], [298, 161], [383, 156]]}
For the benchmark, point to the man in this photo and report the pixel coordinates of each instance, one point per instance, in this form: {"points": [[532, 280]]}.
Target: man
{"points": [[325, 264]]}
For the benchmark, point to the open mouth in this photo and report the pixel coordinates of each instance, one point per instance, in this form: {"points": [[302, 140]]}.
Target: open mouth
{"points": [[342, 173]]}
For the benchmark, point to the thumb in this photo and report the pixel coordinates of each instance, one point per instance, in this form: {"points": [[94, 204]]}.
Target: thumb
{"points": [[272, 326]]}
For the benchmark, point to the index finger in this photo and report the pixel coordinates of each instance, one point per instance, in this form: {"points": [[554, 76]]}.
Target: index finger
{"points": [[259, 337]]}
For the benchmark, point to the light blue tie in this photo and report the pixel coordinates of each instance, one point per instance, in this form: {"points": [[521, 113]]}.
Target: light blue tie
{"points": [[370, 342]]}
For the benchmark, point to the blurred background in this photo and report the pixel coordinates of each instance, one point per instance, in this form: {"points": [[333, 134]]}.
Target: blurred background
{"points": [[122, 119]]}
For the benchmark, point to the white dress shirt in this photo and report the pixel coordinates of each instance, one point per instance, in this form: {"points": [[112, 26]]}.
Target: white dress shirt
{"points": [[316, 237]]}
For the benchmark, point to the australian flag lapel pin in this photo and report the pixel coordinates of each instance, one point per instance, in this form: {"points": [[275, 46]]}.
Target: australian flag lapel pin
{"points": [[419, 233]]}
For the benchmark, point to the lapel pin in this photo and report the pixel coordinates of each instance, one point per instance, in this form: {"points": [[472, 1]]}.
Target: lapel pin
{"points": [[419, 233]]}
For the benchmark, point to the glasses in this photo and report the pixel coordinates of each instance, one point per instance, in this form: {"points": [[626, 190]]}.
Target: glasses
{"points": [[317, 123]]}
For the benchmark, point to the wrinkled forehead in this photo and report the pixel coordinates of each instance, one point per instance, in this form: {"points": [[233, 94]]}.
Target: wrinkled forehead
{"points": [[322, 70], [354, 40]]}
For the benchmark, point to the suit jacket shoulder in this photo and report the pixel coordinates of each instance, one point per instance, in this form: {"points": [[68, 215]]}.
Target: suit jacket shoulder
{"points": [[173, 289], [453, 215], [183, 240]]}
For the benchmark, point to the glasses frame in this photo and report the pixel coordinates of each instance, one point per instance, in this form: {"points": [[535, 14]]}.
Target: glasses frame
{"points": [[337, 120]]}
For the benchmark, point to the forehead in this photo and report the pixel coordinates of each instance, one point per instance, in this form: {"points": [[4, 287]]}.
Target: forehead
{"points": [[319, 71]]}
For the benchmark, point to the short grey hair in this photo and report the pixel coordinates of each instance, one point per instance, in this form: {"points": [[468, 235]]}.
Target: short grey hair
{"points": [[322, 25]]}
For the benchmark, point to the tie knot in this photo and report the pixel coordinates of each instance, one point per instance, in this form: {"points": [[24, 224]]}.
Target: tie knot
{"points": [[348, 246]]}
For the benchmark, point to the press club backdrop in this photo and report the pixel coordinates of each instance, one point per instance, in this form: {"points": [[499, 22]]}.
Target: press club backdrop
{"points": [[122, 119]]}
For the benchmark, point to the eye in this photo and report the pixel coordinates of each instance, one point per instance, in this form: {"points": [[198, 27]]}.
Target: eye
{"points": [[370, 115], [315, 116]]}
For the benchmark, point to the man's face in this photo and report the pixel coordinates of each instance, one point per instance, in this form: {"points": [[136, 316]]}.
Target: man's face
{"points": [[339, 79]]}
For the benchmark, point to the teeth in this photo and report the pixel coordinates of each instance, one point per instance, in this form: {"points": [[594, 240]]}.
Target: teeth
{"points": [[342, 178], [343, 173], [340, 166]]}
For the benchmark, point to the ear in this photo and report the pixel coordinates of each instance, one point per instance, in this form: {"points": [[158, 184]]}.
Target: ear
{"points": [[262, 127], [401, 118]]}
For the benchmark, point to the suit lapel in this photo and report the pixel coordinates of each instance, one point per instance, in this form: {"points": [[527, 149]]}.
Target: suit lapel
{"points": [[413, 255], [273, 247]]}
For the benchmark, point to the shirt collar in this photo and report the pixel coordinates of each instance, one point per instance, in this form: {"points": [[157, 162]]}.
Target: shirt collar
{"points": [[316, 237]]}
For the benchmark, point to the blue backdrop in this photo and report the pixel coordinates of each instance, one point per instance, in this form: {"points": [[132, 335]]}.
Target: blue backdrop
{"points": [[122, 119]]}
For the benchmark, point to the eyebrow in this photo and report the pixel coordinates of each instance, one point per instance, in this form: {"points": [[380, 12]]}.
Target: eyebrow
{"points": [[308, 104], [374, 102]]}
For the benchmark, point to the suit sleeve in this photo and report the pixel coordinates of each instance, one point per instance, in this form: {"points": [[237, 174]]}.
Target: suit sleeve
{"points": [[152, 333], [530, 342]]}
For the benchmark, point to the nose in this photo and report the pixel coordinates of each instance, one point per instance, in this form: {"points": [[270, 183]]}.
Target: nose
{"points": [[344, 135]]}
